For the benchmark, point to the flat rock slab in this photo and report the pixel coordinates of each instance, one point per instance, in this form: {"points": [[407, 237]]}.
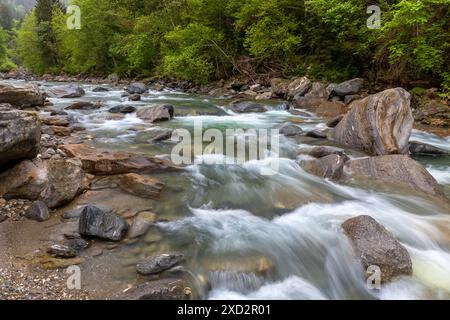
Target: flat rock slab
{"points": [[375, 246], [110, 163]]}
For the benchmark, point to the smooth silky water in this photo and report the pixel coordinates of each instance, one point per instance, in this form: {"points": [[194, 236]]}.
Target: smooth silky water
{"points": [[250, 236]]}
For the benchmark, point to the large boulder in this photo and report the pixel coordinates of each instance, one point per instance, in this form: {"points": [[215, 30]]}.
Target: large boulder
{"points": [[159, 263], [66, 91], [136, 88], [394, 170], [434, 113], [375, 246], [55, 182], [247, 107], [379, 124], [20, 136], [110, 163], [350, 87], [96, 222], [163, 112], [21, 96]]}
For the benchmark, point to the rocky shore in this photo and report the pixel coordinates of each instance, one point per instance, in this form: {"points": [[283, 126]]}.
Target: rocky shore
{"points": [[50, 174]]}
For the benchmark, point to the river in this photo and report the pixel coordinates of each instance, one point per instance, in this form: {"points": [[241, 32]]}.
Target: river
{"points": [[251, 236]]}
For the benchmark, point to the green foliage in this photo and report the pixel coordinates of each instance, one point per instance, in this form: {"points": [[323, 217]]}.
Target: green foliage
{"points": [[203, 40], [190, 52]]}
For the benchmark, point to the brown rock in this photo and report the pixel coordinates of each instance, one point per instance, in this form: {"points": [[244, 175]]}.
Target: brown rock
{"points": [[55, 121], [163, 112], [21, 96], [111, 163], [375, 246], [20, 136], [379, 124], [331, 109], [329, 167], [145, 187], [398, 170]]}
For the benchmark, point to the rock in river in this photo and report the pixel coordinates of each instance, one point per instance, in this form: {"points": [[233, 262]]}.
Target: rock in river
{"points": [[159, 263], [145, 187], [329, 167], [159, 113], [375, 246], [122, 109], [83, 105], [164, 289], [38, 211], [136, 87], [109, 163], [20, 136], [101, 224], [66, 91], [379, 124], [397, 170], [291, 130], [247, 107], [423, 149], [21, 96]]}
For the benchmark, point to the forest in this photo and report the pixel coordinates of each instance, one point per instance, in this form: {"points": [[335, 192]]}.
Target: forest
{"points": [[207, 40]]}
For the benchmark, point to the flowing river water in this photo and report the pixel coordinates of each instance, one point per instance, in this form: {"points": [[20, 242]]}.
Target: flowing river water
{"points": [[251, 236]]}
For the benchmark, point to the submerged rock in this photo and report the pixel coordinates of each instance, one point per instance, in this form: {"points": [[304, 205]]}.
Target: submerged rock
{"points": [[102, 224], [397, 170], [375, 246], [122, 109], [66, 91], [38, 211], [20, 136], [291, 130], [134, 97], [21, 96], [423, 149], [159, 263], [247, 107], [146, 187], [61, 251], [164, 289], [100, 89], [379, 124], [316, 134], [159, 113], [83, 105]]}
